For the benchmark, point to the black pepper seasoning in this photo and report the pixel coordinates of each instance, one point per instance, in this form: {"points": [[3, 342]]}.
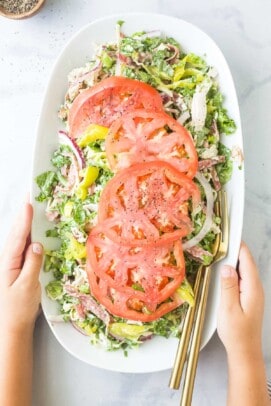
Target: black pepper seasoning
{"points": [[18, 6]]}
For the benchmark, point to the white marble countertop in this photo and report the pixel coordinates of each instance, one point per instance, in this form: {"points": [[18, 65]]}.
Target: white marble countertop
{"points": [[28, 49]]}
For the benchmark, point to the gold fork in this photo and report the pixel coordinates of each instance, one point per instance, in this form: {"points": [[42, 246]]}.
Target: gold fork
{"points": [[193, 354], [183, 345]]}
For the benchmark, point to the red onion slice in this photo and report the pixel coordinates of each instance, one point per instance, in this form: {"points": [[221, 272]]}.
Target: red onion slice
{"points": [[175, 51], [209, 213], [64, 139]]}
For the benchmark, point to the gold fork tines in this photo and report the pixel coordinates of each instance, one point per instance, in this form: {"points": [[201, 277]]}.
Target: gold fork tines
{"points": [[180, 358], [225, 227], [193, 354], [183, 344]]}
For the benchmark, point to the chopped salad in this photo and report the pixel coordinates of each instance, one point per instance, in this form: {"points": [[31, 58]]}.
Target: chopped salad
{"points": [[131, 196]]}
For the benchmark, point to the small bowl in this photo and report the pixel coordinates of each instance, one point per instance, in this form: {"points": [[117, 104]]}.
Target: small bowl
{"points": [[20, 16]]}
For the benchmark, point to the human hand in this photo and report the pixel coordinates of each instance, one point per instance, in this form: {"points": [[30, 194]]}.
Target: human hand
{"points": [[241, 308], [20, 263]]}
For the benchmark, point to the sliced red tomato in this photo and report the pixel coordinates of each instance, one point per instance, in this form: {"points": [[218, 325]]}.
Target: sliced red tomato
{"points": [[105, 102], [148, 202], [143, 136], [136, 283]]}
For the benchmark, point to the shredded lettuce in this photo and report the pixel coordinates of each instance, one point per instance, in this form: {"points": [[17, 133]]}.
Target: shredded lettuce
{"points": [[54, 290], [224, 170], [160, 61], [46, 182]]}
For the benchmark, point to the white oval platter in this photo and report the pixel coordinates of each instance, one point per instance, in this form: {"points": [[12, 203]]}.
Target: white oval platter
{"points": [[156, 354]]}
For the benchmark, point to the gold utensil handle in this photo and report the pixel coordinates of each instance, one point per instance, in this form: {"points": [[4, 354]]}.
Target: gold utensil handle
{"points": [[195, 342], [180, 358]]}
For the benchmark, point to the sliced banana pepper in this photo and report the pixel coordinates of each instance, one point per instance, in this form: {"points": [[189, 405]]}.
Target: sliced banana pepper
{"points": [[90, 174], [92, 133]]}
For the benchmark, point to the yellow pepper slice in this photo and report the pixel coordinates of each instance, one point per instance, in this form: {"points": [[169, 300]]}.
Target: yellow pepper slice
{"points": [[92, 133], [185, 292], [87, 327], [75, 250], [81, 192], [90, 174], [180, 69], [130, 331]]}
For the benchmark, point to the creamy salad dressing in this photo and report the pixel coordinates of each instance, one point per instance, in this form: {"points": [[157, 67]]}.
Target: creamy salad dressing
{"points": [[190, 93]]}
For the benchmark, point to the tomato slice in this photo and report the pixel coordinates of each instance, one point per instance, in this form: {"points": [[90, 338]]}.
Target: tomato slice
{"points": [[143, 136], [148, 202], [136, 283], [105, 102]]}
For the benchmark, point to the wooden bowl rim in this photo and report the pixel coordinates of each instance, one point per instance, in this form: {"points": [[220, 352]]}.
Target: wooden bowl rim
{"points": [[29, 13]]}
